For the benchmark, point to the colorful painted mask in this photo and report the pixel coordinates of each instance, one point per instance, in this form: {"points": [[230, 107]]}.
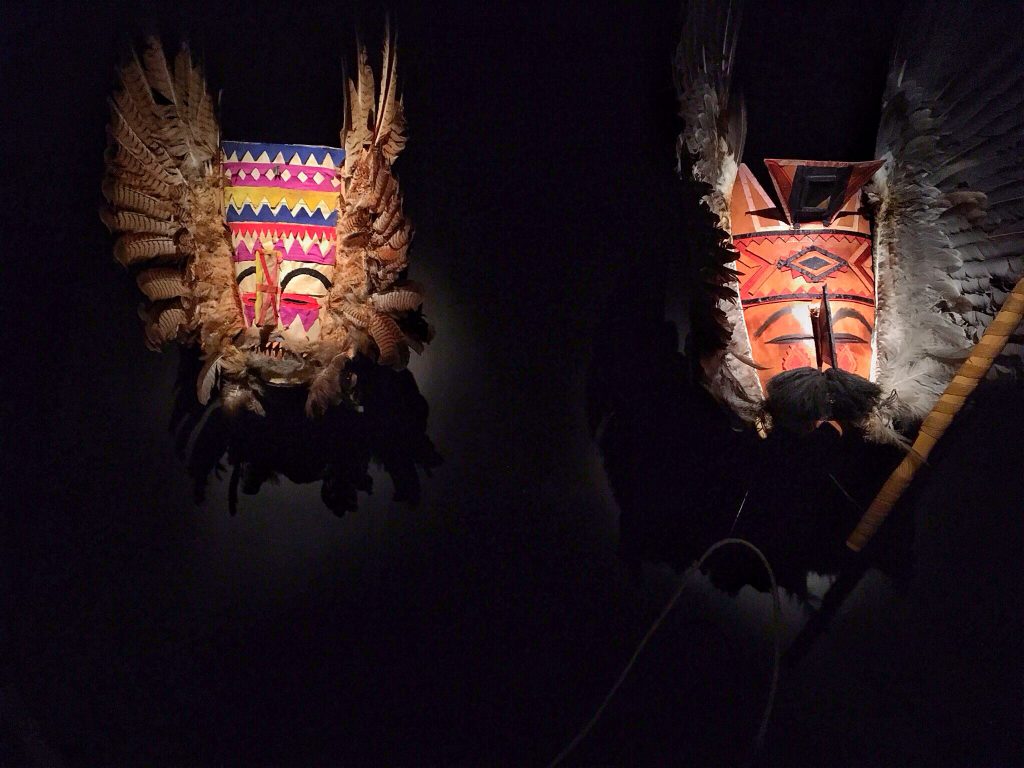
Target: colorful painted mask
{"points": [[282, 262], [804, 269], [829, 305], [282, 210]]}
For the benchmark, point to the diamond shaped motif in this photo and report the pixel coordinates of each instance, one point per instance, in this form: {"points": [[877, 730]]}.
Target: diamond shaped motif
{"points": [[286, 174], [302, 176], [256, 173], [318, 177], [813, 263]]}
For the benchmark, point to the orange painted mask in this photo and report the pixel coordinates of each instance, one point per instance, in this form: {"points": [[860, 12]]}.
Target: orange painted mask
{"points": [[805, 271]]}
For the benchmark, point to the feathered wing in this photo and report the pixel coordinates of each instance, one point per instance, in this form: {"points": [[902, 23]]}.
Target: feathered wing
{"points": [[949, 225], [369, 294], [714, 119], [711, 144], [163, 200]]}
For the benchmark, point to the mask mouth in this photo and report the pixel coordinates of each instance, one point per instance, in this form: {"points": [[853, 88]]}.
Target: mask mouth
{"points": [[277, 362], [275, 349], [803, 398]]}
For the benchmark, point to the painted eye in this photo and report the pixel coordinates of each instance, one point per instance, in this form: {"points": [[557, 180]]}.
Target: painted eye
{"points": [[298, 301], [791, 338], [849, 338]]}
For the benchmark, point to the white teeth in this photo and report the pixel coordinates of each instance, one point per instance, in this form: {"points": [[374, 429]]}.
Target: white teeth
{"points": [[275, 349]]}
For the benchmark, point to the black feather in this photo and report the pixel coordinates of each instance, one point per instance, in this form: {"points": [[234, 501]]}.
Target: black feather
{"points": [[799, 399]]}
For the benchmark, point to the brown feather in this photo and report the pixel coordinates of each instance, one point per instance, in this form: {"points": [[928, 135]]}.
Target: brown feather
{"points": [[400, 300], [401, 237], [130, 221], [389, 132], [182, 79], [390, 341], [208, 378], [166, 320], [163, 134], [357, 314], [207, 130], [141, 122], [390, 219], [122, 196], [388, 85], [157, 74], [133, 172], [136, 87], [359, 111], [123, 133], [133, 248], [162, 283]]}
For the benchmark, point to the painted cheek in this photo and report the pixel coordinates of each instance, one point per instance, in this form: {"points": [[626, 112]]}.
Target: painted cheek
{"points": [[306, 308], [797, 357], [847, 359], [248, 307]]}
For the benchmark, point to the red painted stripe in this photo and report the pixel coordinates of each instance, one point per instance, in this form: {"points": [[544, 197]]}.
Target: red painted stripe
{"points": [[271, 229]]}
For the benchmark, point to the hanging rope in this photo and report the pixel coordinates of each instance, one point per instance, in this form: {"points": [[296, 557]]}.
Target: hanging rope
{"points": [[971, 371], [776, 652]]}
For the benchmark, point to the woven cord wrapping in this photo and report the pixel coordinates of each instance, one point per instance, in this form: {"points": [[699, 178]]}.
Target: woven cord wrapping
{"points": [[966, 379]]}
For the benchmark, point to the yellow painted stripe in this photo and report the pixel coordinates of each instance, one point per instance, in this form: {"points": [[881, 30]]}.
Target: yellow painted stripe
{"points": [[239, 196]]}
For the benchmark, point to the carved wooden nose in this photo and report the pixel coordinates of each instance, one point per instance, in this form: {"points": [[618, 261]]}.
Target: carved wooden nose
{"points": [[824, 339]]}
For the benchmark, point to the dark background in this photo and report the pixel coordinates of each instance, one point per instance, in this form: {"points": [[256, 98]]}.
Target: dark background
{"points": [[483, 626]]}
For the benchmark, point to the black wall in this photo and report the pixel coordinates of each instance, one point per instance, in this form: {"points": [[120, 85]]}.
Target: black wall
{"points": [[483, 626]]}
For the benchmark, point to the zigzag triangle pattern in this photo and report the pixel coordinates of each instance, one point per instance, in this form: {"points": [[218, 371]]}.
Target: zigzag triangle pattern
{"points": [[275, 199], [282, 196], [319, 251], [309, 155]]}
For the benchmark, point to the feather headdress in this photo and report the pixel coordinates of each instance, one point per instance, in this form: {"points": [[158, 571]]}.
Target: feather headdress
{"points": [[281, 262], [946, 207]]}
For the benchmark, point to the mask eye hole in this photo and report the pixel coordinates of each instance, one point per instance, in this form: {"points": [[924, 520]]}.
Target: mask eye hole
{"points": [[299, 301], [817, 192]]}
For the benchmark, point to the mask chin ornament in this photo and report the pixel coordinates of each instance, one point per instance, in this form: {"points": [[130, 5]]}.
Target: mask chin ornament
{"points": [[852, 297], [281, 262]]}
